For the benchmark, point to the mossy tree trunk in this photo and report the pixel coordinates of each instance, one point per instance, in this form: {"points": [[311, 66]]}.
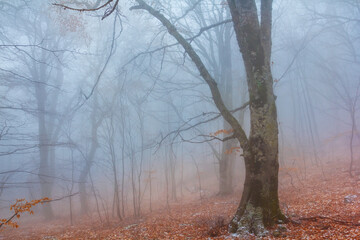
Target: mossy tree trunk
{"points": [[259, 206]]}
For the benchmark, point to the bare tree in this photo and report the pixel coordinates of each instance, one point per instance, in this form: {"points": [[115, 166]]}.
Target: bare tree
{"points": [[259, 206]]}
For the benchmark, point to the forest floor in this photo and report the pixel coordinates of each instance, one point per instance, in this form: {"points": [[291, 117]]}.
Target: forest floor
{"points": [[323, 205]]}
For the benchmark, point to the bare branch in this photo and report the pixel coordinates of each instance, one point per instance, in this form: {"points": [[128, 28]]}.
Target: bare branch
{"points": [[83, 9], [190, 39], [61, 198], [239, 131], [203, 29], [182, 128], [107, 13], [188, 10]]}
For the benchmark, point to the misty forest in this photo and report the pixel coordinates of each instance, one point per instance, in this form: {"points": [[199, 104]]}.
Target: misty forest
{"points": [[187, 119]]}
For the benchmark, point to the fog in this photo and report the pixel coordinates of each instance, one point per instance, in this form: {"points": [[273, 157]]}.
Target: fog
{"points": [[111, 119]]}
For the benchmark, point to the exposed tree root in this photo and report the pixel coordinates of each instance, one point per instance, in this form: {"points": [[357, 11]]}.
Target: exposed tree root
{"points": [[251, 222]]}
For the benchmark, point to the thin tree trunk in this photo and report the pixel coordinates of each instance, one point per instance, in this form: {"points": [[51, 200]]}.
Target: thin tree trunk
{"points": [[95, 196], [172, 160], [133, 184], [89, 158], [351, 142], [44, 140], [116, 200], [123, 173]]}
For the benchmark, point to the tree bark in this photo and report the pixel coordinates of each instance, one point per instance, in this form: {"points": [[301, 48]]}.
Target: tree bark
{"points": [[259, 206]]}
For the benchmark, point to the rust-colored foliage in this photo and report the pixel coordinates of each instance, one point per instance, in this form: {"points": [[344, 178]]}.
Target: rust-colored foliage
{"points": [[226, 132], [21, 206], [233, 149], [222, 131], [69, 22]]}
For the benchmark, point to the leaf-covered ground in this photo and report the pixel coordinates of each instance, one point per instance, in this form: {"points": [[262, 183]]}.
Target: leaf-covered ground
{"points": [[316, 203]]}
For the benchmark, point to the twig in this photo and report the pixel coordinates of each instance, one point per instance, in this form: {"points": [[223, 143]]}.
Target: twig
{"points": [[83, 9], [7, 221], [59, 199]]}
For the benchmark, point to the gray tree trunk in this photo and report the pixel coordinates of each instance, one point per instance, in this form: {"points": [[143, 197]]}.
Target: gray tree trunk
{"points": [[259, 206]]}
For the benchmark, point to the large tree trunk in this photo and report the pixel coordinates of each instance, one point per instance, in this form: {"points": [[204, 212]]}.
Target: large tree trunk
{"points": [[259, 206]]}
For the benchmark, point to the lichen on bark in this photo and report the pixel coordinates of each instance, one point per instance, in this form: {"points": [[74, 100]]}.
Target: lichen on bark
{"points": [[251, 222]]}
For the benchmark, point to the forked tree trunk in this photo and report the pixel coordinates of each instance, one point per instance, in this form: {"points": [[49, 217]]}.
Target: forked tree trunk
{"points": [[259, 206]]}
